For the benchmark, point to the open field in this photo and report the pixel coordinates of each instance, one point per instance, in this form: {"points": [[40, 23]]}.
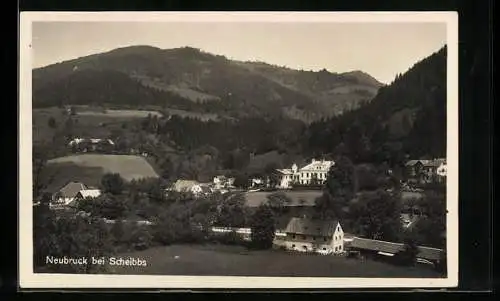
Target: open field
{"points": [[59, 174], [120, 113], [409, 195], [216, 260], [128, 166], [254, 199], [86, 124], [198, 115], [40, 119]]}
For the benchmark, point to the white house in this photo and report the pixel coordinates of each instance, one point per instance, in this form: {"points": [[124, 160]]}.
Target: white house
{"points": [[306, 235], [191, 186], [221, 182], [184, 185], [442, 169], [315, 172], [201, 189], [256, 182]]}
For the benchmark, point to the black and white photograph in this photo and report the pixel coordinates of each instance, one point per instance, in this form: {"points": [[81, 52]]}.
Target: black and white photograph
{"points": [[238, 150]]}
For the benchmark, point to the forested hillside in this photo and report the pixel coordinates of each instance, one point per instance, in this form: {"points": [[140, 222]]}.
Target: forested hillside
{"points": [[406, 118], [187, 78]]}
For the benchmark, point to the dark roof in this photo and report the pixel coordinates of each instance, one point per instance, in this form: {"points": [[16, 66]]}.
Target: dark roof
{"points": [[435, 163], [306, 226], [71, 189], [391, 247], [413, 162], [282, 223]]}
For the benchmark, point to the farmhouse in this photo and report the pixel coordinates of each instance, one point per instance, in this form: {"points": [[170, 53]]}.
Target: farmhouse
{"points": [[67, 193], [256, 182], [201, 189], [184, 185], [85, 194], [307, 235], [221, 182], [426, 171], [191, 186], [314, 173], [91, 144], [378, 248]]}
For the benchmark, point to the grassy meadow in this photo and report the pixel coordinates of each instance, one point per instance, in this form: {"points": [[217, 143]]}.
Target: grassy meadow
{"points": [[128, 166], [219, 260]]}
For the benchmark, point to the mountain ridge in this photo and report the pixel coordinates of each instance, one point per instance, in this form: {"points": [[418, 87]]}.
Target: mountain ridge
{"points": [[198, 76]]}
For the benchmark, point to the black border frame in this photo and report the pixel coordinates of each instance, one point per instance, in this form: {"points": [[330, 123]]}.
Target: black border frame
{"points": [[476, 117]]}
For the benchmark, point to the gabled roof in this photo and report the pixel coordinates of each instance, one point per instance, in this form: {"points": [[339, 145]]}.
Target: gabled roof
{"points": [[92, 193], [71, 189], [183, 185], [311, 227], [435, 163], [414, 162], [318, 165], [285, 171], [281, 223], [376, 245], [391, 247]]}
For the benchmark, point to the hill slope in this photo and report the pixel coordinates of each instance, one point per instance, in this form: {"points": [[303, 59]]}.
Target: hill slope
{"points": [[187, 78], [129, 167], [407, 117]]}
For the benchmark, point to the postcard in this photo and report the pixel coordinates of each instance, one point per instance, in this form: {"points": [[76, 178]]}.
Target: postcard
{"points": [[238, 150]]}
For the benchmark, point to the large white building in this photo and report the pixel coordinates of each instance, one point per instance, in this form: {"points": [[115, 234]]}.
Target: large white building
{"points": [[315, 172]]}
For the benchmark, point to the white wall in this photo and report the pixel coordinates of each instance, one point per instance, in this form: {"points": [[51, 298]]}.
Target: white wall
{"points": [[335, 244]]}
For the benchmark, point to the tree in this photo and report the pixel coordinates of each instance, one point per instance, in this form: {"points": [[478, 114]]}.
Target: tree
{"points": [[118, 231], [52, 122], [39, 164], [407, 256], [73, 237], [340, 180], [263, 228], [112, 183], [242, 180], [339, 191], [167, 168], [376, 215], [232, 212], [278, 202]]}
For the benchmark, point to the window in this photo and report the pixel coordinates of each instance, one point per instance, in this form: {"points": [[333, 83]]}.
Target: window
{"points": [[293, 236], [293, 246], [304, 247], [324, 249], [324, 238]]}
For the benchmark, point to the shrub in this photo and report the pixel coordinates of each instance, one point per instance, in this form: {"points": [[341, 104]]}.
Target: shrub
{"points": [[141, 238]]}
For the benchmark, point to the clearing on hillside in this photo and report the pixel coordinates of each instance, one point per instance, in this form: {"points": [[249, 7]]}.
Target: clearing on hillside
{"points": [[128, 166], [298, 197], [121, 113]]}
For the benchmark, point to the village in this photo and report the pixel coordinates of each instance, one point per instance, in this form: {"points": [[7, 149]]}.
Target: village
{"points": [[294, 233]]}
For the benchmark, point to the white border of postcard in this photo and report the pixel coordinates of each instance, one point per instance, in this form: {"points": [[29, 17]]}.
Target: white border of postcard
{"points": [[30, 280]]}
